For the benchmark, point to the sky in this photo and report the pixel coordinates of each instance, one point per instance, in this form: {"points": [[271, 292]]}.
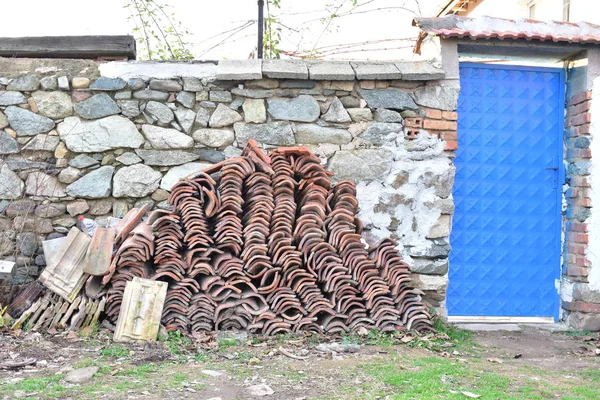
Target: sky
{"points": [[305, 28]]}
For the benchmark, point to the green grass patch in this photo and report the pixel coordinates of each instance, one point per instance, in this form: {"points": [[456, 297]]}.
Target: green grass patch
{"points": [[46, 387], [115, 351], [228, 342]]}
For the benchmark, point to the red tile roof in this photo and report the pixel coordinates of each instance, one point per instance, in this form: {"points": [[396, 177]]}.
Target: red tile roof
{"points": [[506, 29]]}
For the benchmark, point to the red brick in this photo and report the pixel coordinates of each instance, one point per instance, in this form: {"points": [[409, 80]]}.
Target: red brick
{"points": [[580, 181], [579, 153], [449, 135], [585, 307], [576, 271], [413, 122], [580, 119], [440, 125], [578, 227], [583, 262], [583, 129], [582, 202], [451, 145], [434, 114], [581, 97], [450, 115], [577, 237], [576, 249]]}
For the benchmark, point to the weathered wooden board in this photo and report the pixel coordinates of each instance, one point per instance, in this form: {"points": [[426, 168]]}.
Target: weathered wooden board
{"points": [[68, 47]]}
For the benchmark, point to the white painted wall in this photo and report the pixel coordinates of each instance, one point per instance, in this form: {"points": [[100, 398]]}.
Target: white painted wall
{"points": [[581, 10]]}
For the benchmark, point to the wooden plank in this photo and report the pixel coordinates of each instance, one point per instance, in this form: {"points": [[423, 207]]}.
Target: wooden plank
{"points": [[68, 47]]}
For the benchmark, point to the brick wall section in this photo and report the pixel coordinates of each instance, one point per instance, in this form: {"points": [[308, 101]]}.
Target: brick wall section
{"points": [[443, 124], [576, 264]]}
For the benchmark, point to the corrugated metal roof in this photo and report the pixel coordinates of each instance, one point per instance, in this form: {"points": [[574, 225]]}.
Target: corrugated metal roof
{"points": [[507, 29]]}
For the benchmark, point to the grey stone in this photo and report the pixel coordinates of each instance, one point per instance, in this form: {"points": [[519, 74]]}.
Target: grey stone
{"points": [[360, 165], [83, 161], [100, 207], [192, 85], [185, 118], [166, 157], [69, 175], [583, 292], [360, 114], [40, 260], [49, 83], [350, 102], [285, 69], [50, 210], [81, 375], [77, 207], [254, 93], [439, 248], [212, 156], [316, 134], [254, 111], [388, 98], [584, 321], [186, 99], [120, 208], [202, 117], [181, 171], [303, 108], [159, 112], [42, 142], [336, 112], [27, 242], [150, 95], [63, 83], [380, 133], [435, 283], [331, 71], [41, 184], [441, 97], [228, 70], [98, 106], [274, 133], [208, 104], [136, 181], [166, 85], [136, 83], [99, 135], [300, 84], [108, 84], [8, 145], [446, 206], [441, 228], [66, 222], [220, 96], [129, 108], [237, 103], [223, 116], [442, 182], [53, 104], [214, 137], [260, 390], [3, 205], [264, 83], [27, 123], [19, 164], [123, 95], [376, 70], [582, 142], [420, 70], [20, 208], [27, 83], [383, 115], [165, 138], [11, 98], [94, 185], [129, 158], [3, 120]]}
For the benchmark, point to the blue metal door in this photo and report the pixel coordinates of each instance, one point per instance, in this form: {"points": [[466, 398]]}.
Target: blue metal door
{"points": [[506, 229]]}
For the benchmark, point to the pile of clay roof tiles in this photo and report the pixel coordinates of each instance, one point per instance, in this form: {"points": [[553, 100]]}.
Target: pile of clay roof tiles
{"points": [[265, 244]]}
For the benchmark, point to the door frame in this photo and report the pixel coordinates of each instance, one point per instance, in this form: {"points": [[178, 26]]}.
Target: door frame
{"points": [[560, 177]]}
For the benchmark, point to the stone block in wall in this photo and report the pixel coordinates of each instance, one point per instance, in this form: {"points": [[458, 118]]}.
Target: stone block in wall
{"points": [[99, 135], [223, 116], [135, 181], [434, 283], [369, 70], [273, 133], [441, 97], [388, 98], [331, 70], [239, 70], [44, 185], [254, 111], [216, 138], [94, 185], [27, 123], [316, 134], [11, 186], [98, 106], [584, 321], [360, 114], [10, 98], [303, 108], [360, 165], [429, 267], [108, 84], [441, 228], [585, 293], [285, 69], [42, 142], [166, 138], [380, 133], [54, 105], [420, 70], [336, 112]]}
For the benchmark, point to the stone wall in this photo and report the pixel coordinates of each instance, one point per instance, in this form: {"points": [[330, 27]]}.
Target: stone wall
{"points": [[73, 143]]}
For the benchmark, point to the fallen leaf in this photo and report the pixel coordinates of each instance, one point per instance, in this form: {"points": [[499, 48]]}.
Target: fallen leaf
{"points": [[407, 339], [495, 360], [471, 395]]}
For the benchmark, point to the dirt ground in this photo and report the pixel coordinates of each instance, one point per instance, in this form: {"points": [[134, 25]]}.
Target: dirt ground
{"points": [[532, 363]]}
